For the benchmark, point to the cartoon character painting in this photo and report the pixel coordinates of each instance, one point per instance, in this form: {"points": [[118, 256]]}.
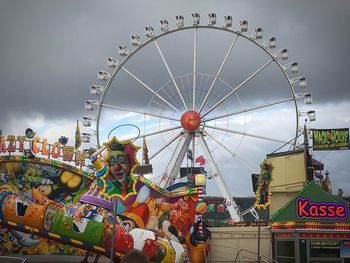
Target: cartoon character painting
{"points": [[82, 208], [115, 179], [157, 206], [115, 171], [40, 190]]}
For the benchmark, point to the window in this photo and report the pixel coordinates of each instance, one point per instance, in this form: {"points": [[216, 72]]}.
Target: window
{"points": [[324, 249], [285, 251]]}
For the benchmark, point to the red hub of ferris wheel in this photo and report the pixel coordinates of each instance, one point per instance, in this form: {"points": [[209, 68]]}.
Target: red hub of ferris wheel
{"points": [[190, 120]]}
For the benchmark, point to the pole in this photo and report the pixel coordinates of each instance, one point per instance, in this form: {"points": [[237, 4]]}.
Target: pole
{"points": [[259, 214], [309, 168], [113, 232]]}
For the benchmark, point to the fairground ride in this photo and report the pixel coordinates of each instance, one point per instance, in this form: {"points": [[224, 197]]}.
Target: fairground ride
{"points": [[201, 89]]}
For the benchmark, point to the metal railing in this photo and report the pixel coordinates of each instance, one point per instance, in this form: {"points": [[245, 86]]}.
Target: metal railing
{"points": [[242, 255], [252, 257], [13, 259]]}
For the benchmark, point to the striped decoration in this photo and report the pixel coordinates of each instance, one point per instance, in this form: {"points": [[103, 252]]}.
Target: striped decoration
{"points": [[59, 238]]}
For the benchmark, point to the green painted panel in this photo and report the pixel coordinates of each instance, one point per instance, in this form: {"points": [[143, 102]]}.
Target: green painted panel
{"points": [[62, 224]]}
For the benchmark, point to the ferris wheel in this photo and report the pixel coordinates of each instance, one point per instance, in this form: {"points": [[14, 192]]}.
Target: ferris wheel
{"points": [[201, 90]]}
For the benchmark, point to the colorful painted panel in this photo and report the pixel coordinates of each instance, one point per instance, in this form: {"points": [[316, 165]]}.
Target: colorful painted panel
{"points": [[38, 188]]}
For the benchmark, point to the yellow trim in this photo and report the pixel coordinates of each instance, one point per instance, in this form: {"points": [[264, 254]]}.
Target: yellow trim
{"points": [[99, 248], [54, 235], [11, 223], [32, 229], [76, 241]]}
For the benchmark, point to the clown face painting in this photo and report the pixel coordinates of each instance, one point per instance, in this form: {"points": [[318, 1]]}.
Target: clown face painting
{"points": [[114, 170], [118, 166]]}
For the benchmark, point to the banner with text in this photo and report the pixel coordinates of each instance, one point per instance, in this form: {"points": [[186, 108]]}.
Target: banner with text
{"points": [[330, 139]]}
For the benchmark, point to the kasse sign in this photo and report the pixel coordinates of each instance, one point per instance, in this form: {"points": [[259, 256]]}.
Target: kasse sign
{"points": [[306, 209]]}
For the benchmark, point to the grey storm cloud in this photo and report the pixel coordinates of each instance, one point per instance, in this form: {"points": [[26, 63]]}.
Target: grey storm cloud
{"points": [[50, 51]]}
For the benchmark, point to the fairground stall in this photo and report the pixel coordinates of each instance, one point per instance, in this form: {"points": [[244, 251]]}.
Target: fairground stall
{"points": [[314, 226]]}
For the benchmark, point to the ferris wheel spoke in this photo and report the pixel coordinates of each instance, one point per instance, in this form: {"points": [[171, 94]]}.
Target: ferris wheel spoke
{"points": [[234, 155], [215, 95], [148, 88], [176, 159], [219, 71], [170, 95], [165, 146], [154, 133], [171, 74], [249, 109], [194, 68], [139, 112], [203, 83], [230, 203], [238, 87], [193, 148], [245, 134]]}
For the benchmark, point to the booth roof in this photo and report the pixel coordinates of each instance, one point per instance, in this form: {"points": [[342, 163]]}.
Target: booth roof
{"points": [[315, 193]]}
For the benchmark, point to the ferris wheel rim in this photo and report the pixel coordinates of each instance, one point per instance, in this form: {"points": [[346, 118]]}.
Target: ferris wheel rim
{"points": [[238, 33]]}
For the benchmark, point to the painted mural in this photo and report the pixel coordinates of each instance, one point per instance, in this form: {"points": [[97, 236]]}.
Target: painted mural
{"points": [[36, 182], [65, 210]]}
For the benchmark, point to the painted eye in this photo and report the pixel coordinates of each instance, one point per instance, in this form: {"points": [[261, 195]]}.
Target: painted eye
{"points": [[121, 159], [112, 161]]}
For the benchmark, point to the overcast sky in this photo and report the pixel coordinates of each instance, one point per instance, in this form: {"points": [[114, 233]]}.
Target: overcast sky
{"points": [[50, 52]]}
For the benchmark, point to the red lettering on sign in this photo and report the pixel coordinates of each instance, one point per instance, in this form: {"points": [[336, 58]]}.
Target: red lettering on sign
{"points": [[44, 149], [56, 150], [68, 152], [323, 210], [314, 211], [11, 146], [320, 210], [21, 140], [2, 144], [331, 212], [340, 211], [35, 148], [301, 208]]}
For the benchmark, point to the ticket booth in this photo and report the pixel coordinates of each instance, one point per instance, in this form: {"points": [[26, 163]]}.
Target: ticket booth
{"points": [[313, 226]]}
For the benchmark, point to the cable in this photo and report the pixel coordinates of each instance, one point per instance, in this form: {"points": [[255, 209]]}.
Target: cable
{"points": [[123, 125]]}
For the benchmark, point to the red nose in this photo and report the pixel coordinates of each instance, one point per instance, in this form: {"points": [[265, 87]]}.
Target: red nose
{"points": [[117, 167]]}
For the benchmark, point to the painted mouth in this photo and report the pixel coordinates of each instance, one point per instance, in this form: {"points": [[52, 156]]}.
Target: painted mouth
{"points": [[120, 176], [119, 173]]}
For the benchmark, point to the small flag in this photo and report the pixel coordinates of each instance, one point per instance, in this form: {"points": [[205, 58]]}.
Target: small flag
{"points": [[200, 159], [77, 136], [189, 154]]}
